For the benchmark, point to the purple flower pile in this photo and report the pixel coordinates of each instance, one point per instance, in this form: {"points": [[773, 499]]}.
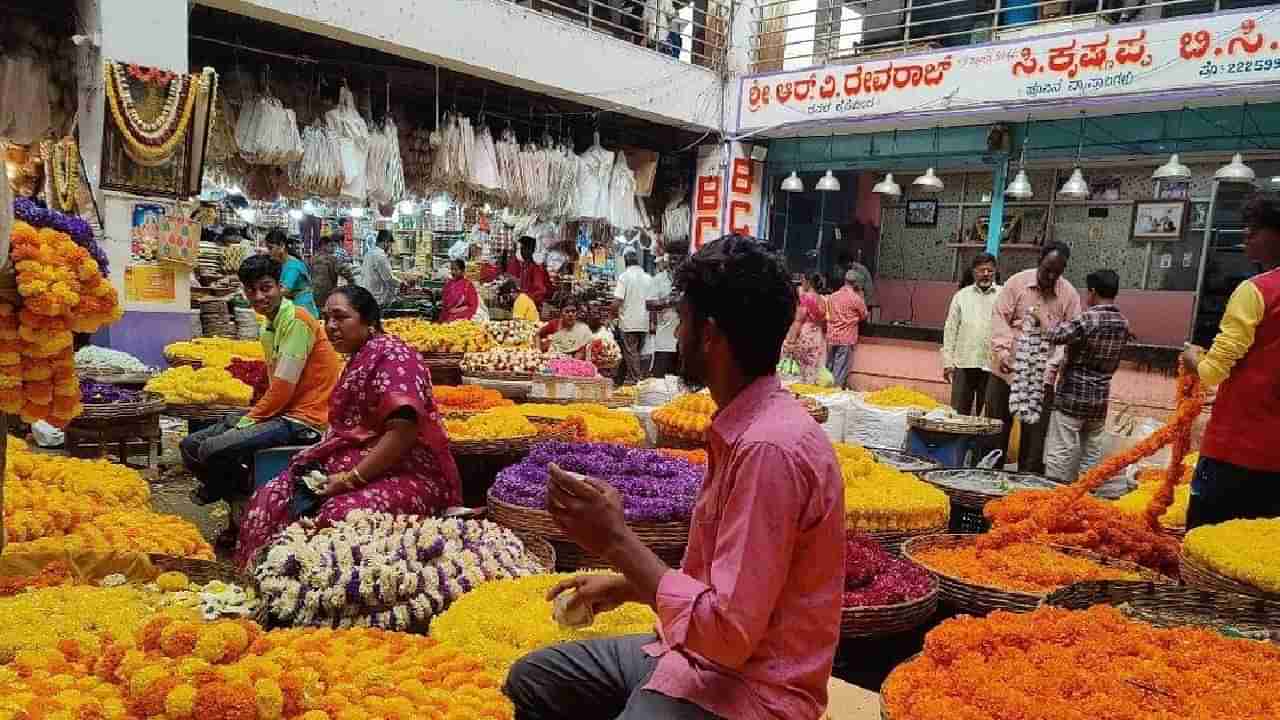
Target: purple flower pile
{"points": [[92, 393], [33, 214], [874, 577], [654, 487]]}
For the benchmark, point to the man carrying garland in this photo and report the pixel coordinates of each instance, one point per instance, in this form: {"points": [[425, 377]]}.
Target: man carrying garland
{"points": [[748, 625]]}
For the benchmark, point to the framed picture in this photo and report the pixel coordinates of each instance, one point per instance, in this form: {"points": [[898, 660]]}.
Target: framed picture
{"points": [[1172, 189], [1159, 219], [922, 213], [1105, 188], [1199, 219]]}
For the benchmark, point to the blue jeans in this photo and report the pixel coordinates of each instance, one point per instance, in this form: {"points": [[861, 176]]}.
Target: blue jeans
{"points": [[221, 455], [1221, 491], [839, 360]]}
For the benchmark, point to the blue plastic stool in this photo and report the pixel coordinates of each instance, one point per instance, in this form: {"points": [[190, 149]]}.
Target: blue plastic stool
{"points": [[950, 450], [269, 463]]}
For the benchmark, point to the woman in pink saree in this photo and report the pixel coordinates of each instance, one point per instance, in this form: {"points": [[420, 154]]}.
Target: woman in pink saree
{"points": [[806, 342], [385, 450]]}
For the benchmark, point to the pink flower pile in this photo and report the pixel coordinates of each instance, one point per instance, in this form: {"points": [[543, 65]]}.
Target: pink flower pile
{"points": [[874, 577], [569, 367]]}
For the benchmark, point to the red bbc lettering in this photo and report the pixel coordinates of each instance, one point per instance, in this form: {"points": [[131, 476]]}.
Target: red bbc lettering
{"points": [[701, 224], [708, 193], [734, 208], [740, 182]]}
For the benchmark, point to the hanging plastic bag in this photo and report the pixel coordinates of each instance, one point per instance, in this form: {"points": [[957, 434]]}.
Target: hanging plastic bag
{"points": [[320, 169], [385, 166], [484, 165], [353, 144]]}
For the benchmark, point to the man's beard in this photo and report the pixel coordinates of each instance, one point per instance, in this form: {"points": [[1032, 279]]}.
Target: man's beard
{"points": [[693, 366]]}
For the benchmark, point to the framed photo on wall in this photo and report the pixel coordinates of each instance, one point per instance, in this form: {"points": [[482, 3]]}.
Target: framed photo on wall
{"points": [[922, 213], [1158, 219], [1199, 218]]}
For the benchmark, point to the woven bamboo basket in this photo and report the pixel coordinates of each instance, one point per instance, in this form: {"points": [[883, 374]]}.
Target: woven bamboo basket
{"points": [[979, 600], [893, 540], [512, 389], [954, 424], [1165, 605], [149, 404], [113, 377], [667, 540], [882, 620], [204, 571], [967, 504], [613, 401], [1198, 575], [203, 413], [179, 362], [904, 461], [541, 550], [503, 446]]}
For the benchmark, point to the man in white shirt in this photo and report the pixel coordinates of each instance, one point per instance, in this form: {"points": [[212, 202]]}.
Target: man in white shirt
{"points": [[633, 317], [375, 274], [966, 337], [662, 343]]}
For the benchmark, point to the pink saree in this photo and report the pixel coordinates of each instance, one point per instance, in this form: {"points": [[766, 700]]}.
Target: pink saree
{"points": [[805, 342], [382, 377]]}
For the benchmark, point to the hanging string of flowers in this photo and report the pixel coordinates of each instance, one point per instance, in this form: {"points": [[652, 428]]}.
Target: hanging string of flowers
{"points": [[31, 213], [1189, 394], [152, 142]]}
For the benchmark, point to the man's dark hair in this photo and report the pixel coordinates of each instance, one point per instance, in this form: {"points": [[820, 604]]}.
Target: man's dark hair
{"points": [[745, 288], [985, 258], [277, 238], [1262, 212], [256, 267], [384, 237], [1104, 282], [1056, 246], [527, 241]]}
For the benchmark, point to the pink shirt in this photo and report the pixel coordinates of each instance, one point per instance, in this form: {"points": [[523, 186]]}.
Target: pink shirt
{"points": [[845, 309], [748, 627], [1020, 293]]}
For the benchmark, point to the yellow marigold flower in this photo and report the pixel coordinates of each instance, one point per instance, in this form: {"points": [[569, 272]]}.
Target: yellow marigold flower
{"points": [[180, 702], [270, 699], [1243, 550], [173, 581], [899, 396], [878, 497]]}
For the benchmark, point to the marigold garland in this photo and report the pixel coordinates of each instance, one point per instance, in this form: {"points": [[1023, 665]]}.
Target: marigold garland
{"points": [[1094, 663], [603, 424], [185, 385], [503, 620], [686, 417], [214, 352], [490, 425], [468, 398]]}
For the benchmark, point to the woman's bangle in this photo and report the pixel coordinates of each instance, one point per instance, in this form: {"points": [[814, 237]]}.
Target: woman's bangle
{"points": [[359, 478]]}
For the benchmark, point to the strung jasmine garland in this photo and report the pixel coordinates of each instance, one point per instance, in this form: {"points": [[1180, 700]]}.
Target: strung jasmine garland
{"points": [[380, 570], [65, 170], [1031, 356], [152, 142]]}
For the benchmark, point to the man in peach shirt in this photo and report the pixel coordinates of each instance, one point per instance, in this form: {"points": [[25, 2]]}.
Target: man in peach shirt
{"points": [[1043, 290], [748, 625]]}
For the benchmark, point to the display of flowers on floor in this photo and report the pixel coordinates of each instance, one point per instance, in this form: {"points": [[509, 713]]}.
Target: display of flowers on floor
{"points": [[1243, 550], [214, 352], [501, 621], [1021, 567], [873, 577], [1094, 663], [379, 570], [62, 290], [603, 424], [489, 425], [879, 497], [467, 398], [654, 487], [185, 385], [459, 336], [900, 396], [687, 417]]}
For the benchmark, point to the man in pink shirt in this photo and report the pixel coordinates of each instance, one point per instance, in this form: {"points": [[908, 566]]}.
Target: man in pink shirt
{"points": [[845, 310], [748, 625], [1057, 301]]}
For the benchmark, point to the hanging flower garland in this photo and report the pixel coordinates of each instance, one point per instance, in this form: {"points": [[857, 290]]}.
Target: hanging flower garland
{"points": [[153, 142], [64, 169]]}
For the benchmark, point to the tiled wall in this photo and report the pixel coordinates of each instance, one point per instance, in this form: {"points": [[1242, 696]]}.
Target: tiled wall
{"points": [[913, 253]]}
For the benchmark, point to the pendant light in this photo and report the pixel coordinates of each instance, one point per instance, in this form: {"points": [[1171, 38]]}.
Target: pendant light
{"points": [[1020, 188], [828, 182], [1174, 169], [1075, 188], [793, 183], [929, 182], [1236, 171], [887, 186]]}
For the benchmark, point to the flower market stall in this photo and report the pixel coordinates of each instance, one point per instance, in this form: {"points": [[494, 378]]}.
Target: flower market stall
{"points": [[657, 490], [886, 503]]}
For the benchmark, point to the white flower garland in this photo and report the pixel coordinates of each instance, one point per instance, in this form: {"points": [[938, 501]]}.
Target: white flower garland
{"points": [[380, 570], [1031, 356]]}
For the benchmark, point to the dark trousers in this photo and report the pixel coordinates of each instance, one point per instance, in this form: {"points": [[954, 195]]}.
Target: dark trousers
{"points": [[664, 364], [969, 390], [1031, 444], [221, 455], [593, 678], [632, 343], [1221, 491]]}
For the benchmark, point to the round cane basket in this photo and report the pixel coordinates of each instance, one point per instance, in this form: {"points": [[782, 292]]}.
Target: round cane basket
{"points": [[1165, 605], [179, 362], [667, 539], [445, 368], [149, 404], [1202, 577], [893, 540], [540, 550], [113, 376], [510, 387], [203, 571], [979, 600], [205, 413], [954, 424], [970, 489], [882, 620], [904, 461], [613, 401], [503, 446]]}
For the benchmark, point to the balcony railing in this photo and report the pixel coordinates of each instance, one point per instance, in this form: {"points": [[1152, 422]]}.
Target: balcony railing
{"points": [[793, 34], [692, 31]]}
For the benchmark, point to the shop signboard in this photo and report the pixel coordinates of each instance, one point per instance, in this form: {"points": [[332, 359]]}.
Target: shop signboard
{"points": [[726, 195], [1172, 57]]}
